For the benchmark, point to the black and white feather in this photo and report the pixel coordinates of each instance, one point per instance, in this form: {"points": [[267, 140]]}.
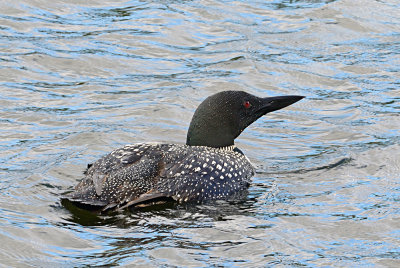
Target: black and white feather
{"points": [[142, 173]]}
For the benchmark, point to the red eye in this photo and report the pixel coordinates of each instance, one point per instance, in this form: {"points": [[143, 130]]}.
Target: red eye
{"points": [[247, 104]]}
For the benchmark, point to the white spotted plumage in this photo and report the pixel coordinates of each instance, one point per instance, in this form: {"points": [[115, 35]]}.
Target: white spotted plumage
{"points": [[184, 173]]}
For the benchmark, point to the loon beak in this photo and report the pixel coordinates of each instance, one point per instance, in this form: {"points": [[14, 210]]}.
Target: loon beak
{"points": [[271, 104]]}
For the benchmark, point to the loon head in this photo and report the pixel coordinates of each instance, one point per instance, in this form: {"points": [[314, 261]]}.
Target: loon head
{"points": [[220, 118]]}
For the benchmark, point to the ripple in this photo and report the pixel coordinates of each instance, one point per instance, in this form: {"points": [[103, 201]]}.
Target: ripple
{"points": [[80, 79]]}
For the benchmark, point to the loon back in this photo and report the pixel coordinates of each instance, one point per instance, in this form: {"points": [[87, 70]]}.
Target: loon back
{"points": [[143, 173]]}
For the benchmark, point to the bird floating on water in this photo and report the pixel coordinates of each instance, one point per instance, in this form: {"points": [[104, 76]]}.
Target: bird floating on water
{"points": [[208, 167]]}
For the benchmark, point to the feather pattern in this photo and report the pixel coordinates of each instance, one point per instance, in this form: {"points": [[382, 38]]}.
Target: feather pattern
{"points": [[145, 172]]}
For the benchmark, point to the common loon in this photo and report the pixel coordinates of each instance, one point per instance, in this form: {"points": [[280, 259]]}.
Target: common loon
{"points": [[208, 167]]}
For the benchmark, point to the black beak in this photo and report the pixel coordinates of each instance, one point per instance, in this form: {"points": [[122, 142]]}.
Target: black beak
{"points": [[271, 104]]}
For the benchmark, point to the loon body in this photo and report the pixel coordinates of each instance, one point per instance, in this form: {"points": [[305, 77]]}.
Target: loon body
{"points": [[208, 167]]}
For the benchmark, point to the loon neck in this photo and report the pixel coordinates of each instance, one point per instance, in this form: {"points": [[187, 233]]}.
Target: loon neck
{"points": [[210, 128], [228, 148]]}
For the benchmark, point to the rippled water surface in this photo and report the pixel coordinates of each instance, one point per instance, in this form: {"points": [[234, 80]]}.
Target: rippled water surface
{"points": [[80, 78]]}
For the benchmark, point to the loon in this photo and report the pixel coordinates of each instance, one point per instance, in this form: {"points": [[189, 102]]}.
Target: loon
{"points": [[208, 167]]}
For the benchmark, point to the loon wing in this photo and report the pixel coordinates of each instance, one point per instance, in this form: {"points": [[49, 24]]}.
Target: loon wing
{"points": [[200, 174], [151, 195], [120, 177], [143, 173]]}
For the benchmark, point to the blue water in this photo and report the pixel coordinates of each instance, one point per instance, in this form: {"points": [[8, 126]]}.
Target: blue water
{"points": [[79, 79]]}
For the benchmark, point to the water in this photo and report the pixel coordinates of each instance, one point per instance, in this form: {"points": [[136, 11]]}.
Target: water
{"points": [[80, 78]]}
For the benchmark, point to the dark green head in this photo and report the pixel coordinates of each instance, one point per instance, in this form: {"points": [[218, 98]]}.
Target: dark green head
{"points": [[220, 118]]}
